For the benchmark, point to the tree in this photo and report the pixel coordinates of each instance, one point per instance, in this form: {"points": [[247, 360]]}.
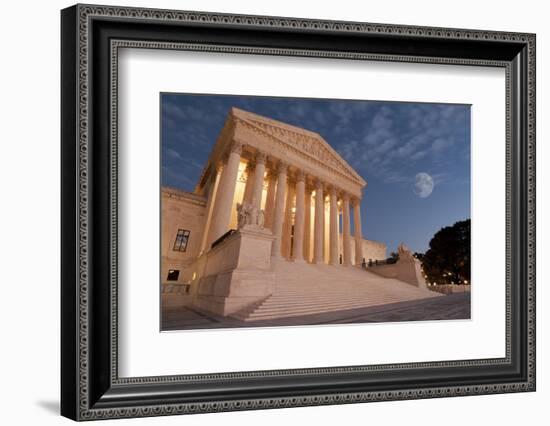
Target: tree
{"points": [[448, 259], [394, 257], [418, 255]]}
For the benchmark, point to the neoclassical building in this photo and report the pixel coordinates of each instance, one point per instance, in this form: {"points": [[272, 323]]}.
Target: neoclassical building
{"points": [[273, 202]]}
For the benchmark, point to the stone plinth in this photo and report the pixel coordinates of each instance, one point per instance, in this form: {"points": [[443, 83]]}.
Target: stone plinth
{"points": [[237, 272], [407, 270]]}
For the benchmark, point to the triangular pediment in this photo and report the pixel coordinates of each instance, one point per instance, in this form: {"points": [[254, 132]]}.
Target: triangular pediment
{"points": [[307, 142]]}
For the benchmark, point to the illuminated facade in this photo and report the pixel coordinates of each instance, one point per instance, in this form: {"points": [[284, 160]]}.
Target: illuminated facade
{"points": [[309, 196]]}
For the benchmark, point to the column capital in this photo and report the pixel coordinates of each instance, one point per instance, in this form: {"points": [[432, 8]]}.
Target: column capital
{"points": [[272, 174], [218, 167], [300, 176], [333, 190], [319, 184], [345, 196], [236, 147], [251, 165], [260, 157], [355, 201], [282, 167]]}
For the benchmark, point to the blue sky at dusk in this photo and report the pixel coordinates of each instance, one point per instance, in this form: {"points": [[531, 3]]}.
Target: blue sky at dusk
{"points": [[387, 143]]}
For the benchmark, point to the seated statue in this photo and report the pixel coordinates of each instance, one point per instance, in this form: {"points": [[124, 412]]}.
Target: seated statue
{"points": [[242, 215], [249, 214], [404, 253], [261, 219]]}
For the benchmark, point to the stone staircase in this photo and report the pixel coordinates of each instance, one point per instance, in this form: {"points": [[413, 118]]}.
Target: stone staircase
{"points": [[305, 289]]}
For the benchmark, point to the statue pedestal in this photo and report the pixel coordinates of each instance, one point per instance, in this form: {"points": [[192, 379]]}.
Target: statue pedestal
{"points": [[407, 270], [237, 273]]}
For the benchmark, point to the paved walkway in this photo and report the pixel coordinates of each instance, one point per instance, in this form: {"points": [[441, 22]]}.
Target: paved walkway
{"points": [[452, 307]]}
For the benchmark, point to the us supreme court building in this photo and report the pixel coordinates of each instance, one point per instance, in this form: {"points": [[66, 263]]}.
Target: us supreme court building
{"points": [[275, 207]]}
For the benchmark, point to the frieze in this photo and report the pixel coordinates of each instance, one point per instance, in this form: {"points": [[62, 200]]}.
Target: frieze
{"points": [[309, 146]]}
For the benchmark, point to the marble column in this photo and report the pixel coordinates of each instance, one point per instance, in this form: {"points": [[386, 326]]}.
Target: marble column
{"points": [[249, 185], [299, 218], [334, 234], [212, 191], [319, 235], [346, 231], [307, 226], [287, 222], [279, 210], [259, 173], [357, 231], [270, 198], [225, 193]]}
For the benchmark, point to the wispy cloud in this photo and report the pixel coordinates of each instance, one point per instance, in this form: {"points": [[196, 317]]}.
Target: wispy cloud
{"points": [[388, 143], [173, 154], [400, 137], [172, 177]]}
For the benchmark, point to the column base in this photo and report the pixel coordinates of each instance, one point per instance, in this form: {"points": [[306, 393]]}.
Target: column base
{"points": [[275, 259]]}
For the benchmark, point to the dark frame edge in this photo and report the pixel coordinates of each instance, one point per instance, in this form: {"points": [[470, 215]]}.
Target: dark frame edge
{"points": [[101, 402], [69, 189]]}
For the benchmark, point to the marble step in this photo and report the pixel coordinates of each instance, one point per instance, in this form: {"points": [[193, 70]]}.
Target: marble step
{"points": [[285, 311], [312, 300], [272, 315], [305, 298], [284, 306], [354, 295], [268, 310], [315, 303], [409, 289], [332, 283], [310, 289]]}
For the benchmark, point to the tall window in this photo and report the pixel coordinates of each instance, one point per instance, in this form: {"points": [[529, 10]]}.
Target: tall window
{"points": [[181, 240]]}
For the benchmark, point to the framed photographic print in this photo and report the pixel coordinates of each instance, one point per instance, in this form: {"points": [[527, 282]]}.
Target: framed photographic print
{"points": [[263, 212]]}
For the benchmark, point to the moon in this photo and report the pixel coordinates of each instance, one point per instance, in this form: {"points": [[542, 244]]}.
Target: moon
{"points": [[424, 185]]}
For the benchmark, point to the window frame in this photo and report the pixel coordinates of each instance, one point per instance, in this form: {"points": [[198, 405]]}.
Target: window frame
{"points": [[181, 232]]}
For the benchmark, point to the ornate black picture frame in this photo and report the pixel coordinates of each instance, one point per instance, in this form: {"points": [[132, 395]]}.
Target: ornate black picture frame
{"points": [[91, 388]]}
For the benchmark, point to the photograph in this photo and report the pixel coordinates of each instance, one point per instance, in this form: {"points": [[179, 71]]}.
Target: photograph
{"points": [[280, 211]]}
